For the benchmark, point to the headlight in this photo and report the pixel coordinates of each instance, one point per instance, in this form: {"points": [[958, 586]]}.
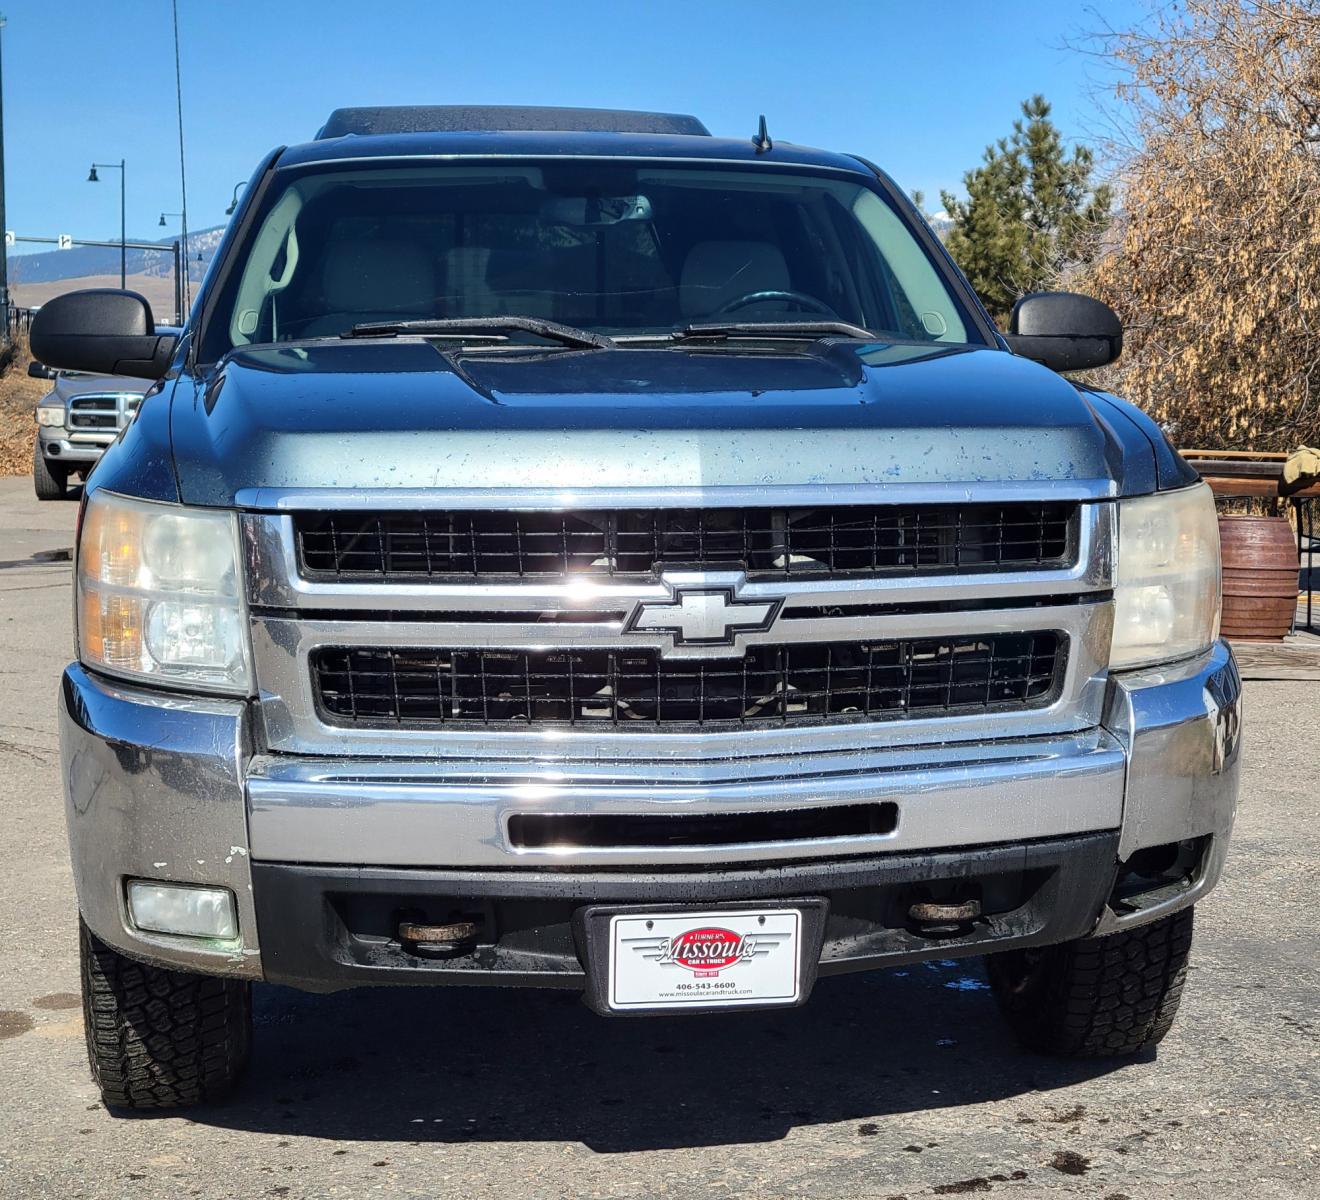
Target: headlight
{"points": [[1166, 602], [160, 594], [50, 414]]}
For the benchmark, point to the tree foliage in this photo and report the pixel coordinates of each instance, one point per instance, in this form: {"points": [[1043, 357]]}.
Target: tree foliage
{"points": [[1031, 210], [1214, 264]]}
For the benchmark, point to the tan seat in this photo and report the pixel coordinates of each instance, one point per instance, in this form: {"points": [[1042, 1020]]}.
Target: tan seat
{"points": [[370, 279]]}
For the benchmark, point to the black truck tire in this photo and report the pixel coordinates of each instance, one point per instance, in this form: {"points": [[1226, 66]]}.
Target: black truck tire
{"points": [[158, 1038], [51, 483], [1102, 997]]}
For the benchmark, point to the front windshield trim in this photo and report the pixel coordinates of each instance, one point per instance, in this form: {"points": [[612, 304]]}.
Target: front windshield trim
{"points": [[648, 160], [236, 243]]}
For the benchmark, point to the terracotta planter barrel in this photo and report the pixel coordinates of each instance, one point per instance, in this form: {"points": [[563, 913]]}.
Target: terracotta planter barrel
{"points": [[1260, 577]]}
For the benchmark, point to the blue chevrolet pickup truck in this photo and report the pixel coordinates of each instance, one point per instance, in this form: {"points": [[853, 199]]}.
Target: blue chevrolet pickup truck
{"points": [[567, 549]]}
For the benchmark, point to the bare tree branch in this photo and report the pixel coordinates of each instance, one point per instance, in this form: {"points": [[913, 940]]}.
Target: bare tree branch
{"points": [[1213, 258]]}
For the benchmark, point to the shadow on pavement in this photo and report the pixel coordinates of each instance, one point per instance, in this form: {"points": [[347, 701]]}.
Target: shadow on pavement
{"points": [[473, 1065]]}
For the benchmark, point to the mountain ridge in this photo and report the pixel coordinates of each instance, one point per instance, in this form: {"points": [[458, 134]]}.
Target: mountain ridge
{"points": [[52, 266]]}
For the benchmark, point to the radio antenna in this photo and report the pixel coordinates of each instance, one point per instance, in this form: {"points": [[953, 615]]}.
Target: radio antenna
{"points": [[762, 140], [183, 175]]}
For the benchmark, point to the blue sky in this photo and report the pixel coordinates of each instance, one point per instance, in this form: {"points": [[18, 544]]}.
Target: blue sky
{"points": [[918, 88]]}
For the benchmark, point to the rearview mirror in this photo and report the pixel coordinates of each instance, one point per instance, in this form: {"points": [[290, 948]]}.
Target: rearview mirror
{"points": [[41, 371], [1065, 331], [101, 331], [589, 212]]}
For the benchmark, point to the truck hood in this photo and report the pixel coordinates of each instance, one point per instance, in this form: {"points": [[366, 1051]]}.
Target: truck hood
{"points": [[66, 385], [402, 414]]}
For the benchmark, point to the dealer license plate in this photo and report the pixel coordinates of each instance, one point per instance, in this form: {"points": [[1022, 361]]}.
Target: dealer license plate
{"points": [[705, 959]]}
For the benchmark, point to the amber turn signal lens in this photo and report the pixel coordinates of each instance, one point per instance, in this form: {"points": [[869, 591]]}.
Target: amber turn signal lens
{"points": [[111, 544], [112, 628]]}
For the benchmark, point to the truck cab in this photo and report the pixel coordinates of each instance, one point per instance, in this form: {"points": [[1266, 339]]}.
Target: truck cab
{"points": [[567, 549]]}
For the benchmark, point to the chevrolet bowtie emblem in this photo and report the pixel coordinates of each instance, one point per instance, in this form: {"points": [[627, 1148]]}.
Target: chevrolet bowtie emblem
{"points": [[705, 616]]}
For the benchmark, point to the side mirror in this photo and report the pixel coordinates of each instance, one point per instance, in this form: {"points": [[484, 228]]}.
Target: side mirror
{"points": [[101, 331], [1065, 331], [41, 371]]}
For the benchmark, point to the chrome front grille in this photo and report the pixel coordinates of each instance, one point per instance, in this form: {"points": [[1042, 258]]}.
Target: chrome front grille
{"points": [[766, 543], [460, 630], [780, 685], [100, 416]]}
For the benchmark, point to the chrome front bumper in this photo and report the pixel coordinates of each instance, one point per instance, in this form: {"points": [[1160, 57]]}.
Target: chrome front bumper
{"points": [[171, 788], [63, 449]]}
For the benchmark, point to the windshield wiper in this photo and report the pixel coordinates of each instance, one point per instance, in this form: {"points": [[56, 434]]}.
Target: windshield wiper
{"points": [[715, 331], [457, 326], [774, 329]]}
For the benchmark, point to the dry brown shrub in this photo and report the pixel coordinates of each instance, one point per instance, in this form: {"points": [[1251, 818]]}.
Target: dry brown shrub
{"points": [[1214, 264], [19, 394]]}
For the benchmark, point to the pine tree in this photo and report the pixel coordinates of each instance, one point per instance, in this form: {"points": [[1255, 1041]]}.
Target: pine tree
{"points": [[1031, 209]]}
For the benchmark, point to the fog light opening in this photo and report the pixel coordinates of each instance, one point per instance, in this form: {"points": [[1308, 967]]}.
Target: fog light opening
{"points": [[184, 910], [1154, 861], [1156, 873]]}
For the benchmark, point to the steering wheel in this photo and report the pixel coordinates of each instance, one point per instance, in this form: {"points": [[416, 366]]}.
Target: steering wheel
{"points": [[801, 299]]}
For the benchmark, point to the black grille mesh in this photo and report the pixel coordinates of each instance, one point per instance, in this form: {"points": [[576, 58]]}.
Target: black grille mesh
{"points": [[792, 684], [773, 543]]}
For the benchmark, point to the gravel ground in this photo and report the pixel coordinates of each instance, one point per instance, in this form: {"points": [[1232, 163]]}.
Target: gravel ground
{"points": [[902, 1083]]}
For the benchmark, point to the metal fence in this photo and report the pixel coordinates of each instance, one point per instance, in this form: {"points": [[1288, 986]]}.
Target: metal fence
{"points": [[1305, 511], [18, 319]]}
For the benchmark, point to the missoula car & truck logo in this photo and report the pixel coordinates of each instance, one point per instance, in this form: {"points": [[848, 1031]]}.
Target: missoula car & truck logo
{"points": [[708, 951]]}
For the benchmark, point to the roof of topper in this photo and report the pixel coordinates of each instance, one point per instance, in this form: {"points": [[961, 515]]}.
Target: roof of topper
{"points": [[492, 118]]}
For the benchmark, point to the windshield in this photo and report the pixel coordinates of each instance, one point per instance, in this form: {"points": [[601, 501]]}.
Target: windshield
{"points": [[616, 248]]}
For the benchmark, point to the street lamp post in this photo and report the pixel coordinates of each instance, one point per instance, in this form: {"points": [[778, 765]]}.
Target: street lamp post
{"points": [[92, 177], [178, 271], [233, 200], [4, 254]]}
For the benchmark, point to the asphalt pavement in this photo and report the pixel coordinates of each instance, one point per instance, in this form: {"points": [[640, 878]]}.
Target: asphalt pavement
{"points": [[897, 1084]]}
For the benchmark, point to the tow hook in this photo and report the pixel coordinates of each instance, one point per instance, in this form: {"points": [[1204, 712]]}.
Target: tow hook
{"points": [[428, 940], [944, 920]]}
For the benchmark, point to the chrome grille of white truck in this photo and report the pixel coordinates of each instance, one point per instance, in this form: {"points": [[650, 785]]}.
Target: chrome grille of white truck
{"points": [[98, 417]]}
